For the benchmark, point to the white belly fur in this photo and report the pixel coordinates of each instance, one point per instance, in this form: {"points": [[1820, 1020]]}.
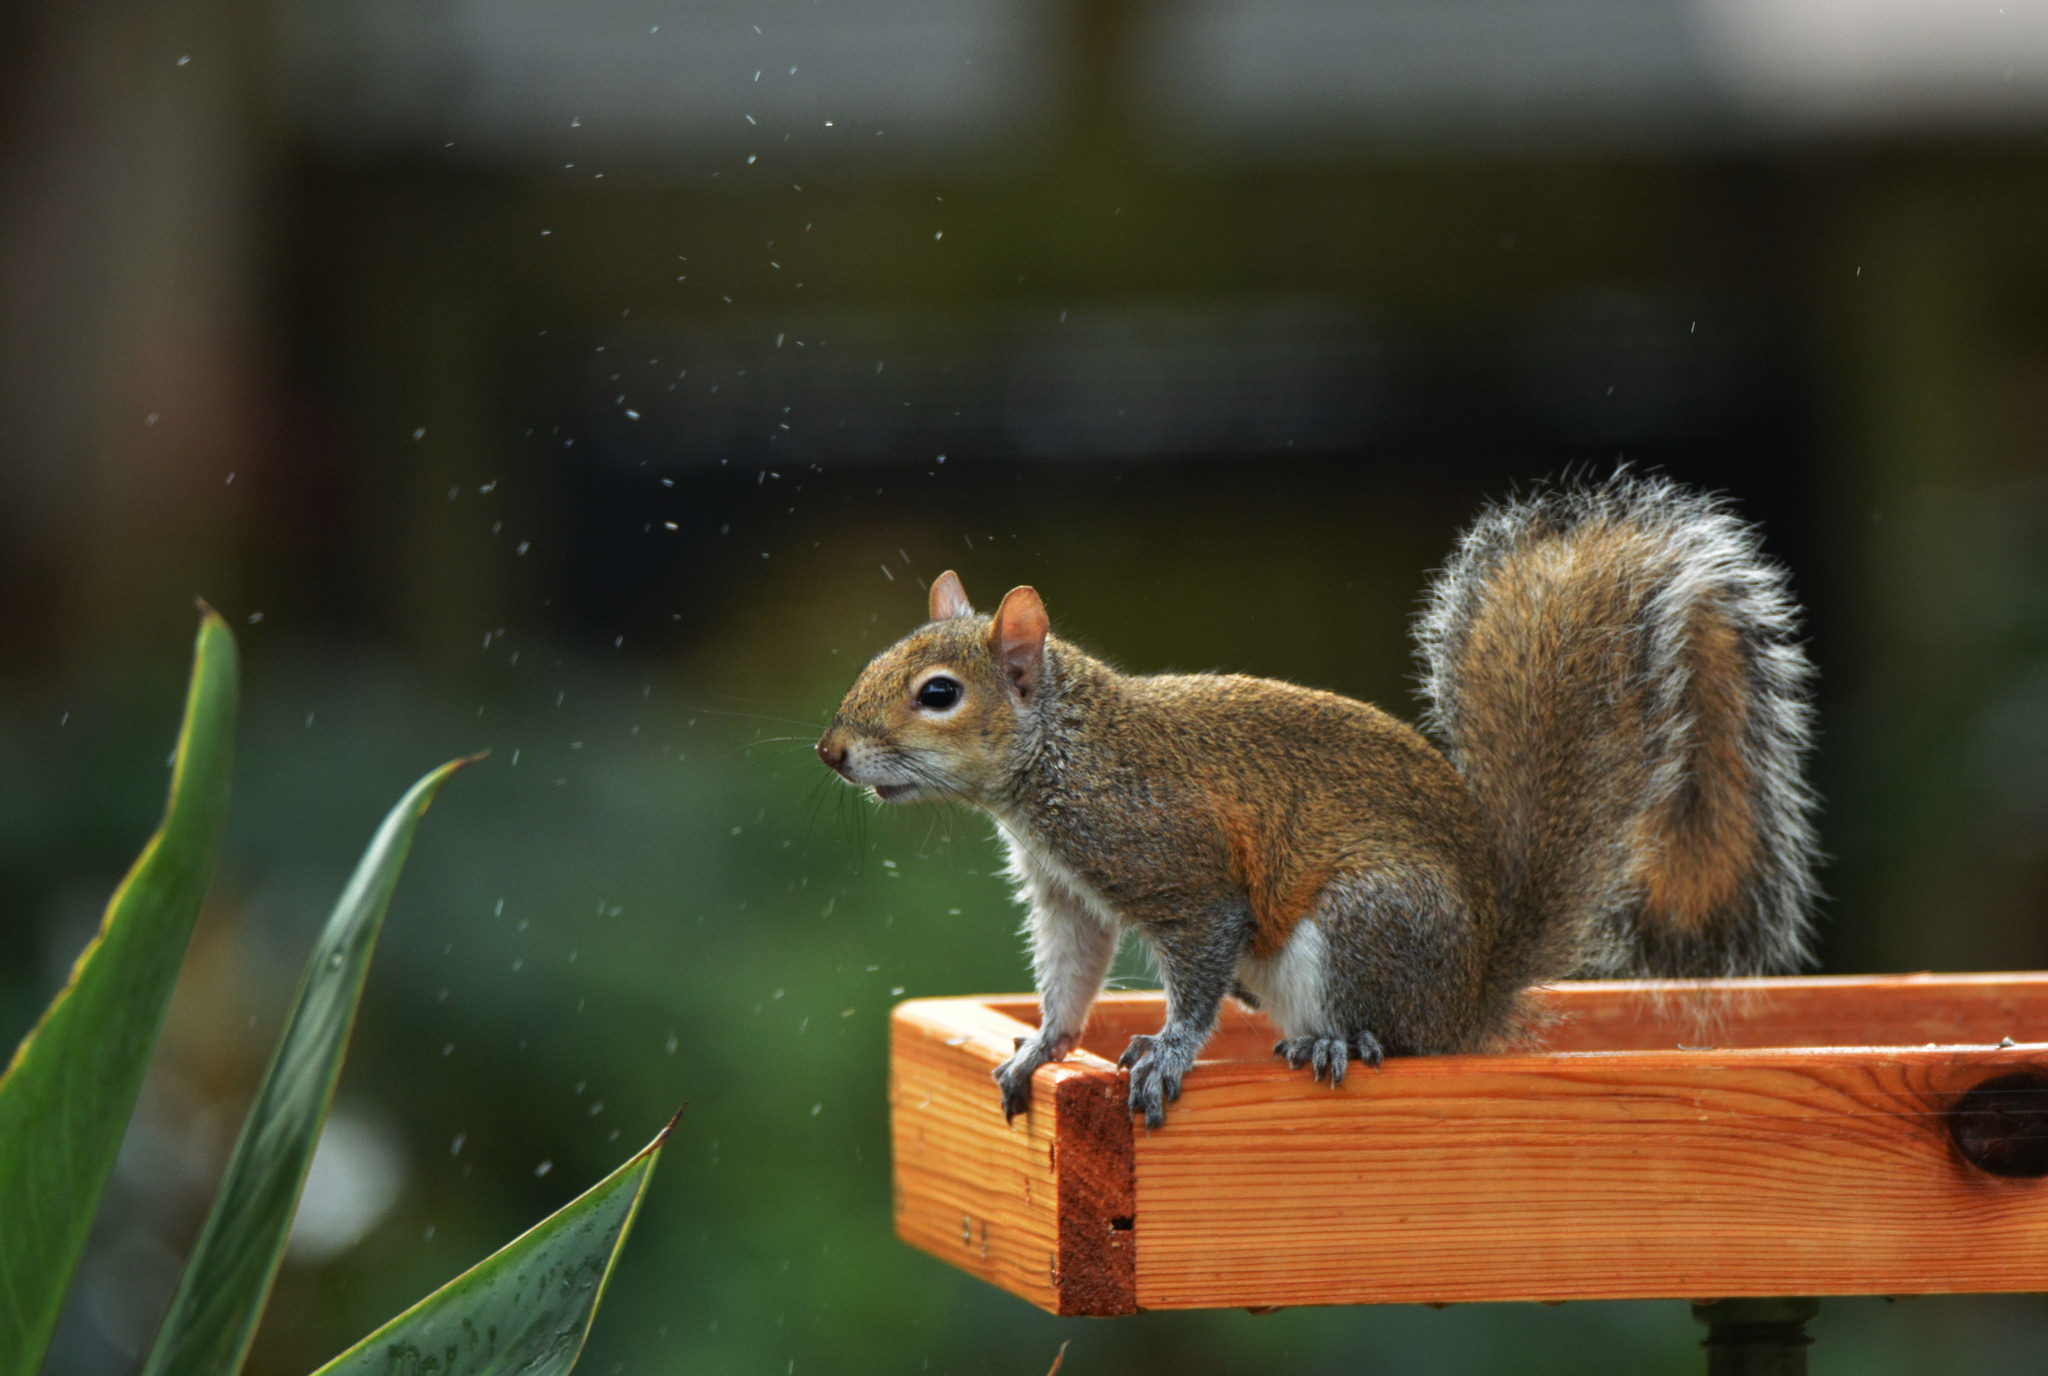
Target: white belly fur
{"points": [[1038, 875], [1289, 985]]}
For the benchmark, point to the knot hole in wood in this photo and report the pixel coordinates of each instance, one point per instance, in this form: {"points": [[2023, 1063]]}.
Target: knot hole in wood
{"points": [[2000, 1125]]}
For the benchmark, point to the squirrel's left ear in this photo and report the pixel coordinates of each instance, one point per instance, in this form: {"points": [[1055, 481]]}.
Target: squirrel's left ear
{"points": [[949, 599], [1017, 638]]}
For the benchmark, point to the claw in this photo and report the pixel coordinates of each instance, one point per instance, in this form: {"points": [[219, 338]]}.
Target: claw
{"points": [[1014, 1075], [1155, 1081], [1369, 1050], [1014, 1078], [1327, 1057], [1151, 1092]]}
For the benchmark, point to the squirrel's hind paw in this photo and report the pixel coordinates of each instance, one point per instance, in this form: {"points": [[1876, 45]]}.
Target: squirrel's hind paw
{"points": [[1327, 1057], [1368, 1049]]}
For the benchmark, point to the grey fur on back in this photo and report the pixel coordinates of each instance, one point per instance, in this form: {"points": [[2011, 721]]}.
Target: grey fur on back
{"points": [[1577, 906]]}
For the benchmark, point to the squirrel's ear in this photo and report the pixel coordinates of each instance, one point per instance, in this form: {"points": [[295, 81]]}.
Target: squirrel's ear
{"points": [[1017, 638], [948, 598]]}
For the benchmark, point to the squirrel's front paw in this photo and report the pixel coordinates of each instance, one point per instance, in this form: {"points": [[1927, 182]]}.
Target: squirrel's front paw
{"points": [[1014, 1075], [1156, 1067]]}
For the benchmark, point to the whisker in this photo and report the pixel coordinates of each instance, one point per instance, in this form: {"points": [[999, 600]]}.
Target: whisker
{"points": [[777, 740], [860, 831], [815, 728], [938, 819], [949, 788], [812, 803]]}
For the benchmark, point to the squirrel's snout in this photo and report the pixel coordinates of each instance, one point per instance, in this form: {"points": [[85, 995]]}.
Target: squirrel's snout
{"points": [[832, 753]]}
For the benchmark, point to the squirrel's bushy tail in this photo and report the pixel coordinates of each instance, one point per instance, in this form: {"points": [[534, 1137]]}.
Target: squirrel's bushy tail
{"points": [[1614, 671]]}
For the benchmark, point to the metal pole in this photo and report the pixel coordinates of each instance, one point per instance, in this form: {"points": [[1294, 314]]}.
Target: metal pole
{"points": [[1756, 1337]]}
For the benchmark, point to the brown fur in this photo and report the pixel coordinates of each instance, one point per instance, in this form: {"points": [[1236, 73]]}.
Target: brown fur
{"points": [[1299, 786], [1697, 847], [1167, 793], [1615, 674], [1544, 646]]}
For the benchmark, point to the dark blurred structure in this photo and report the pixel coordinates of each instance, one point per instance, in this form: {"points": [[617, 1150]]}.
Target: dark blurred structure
{"points": [[598, 383]]}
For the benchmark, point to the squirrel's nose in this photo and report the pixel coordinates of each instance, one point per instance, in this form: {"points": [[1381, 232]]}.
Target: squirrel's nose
{"points": [[831, 752]]}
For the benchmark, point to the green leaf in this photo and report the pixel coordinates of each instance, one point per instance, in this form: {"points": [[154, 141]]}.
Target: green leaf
{"points": [[524, 1309], [213, 1315], [67, 1094]]}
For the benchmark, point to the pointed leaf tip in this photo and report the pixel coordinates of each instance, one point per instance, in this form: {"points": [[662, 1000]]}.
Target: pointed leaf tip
{"points": [[532, 1335], [213, 1315], [428, 787]]}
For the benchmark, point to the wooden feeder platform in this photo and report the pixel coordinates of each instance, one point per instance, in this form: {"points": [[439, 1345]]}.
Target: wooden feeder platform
{"points": [[1710, 1140]]}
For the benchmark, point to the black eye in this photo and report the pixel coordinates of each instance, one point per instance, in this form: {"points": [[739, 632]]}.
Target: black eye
{"points": [[938, 694]]}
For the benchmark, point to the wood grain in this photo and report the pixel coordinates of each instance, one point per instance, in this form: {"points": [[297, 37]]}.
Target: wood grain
{"points": [[1041, 1206], [1582, 1175], [1809, 1148]]}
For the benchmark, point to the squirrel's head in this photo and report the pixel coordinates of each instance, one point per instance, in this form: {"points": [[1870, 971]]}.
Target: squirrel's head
{"points": [[936, 714]]}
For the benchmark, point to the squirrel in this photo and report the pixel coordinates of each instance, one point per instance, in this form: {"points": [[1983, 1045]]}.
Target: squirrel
{"points": [[1621, 712]]}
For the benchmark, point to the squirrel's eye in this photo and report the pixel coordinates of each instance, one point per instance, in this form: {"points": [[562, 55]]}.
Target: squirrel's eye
{"points": [[938, 694]]}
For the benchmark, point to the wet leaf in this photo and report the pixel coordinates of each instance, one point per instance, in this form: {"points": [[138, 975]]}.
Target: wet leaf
{"points": [[213, 1316], [67, 1094], [526, 1308]]}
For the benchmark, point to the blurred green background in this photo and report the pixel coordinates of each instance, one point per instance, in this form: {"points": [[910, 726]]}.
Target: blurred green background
{"points": [[600, 383]]}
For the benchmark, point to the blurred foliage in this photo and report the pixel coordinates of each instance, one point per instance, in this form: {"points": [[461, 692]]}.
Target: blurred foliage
{"points": [[71, 1085]]}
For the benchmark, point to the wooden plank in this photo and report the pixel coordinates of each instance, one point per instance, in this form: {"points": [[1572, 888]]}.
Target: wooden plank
{"points": [[1822, 1142], [1041, 1206], [1580, 1176]]}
